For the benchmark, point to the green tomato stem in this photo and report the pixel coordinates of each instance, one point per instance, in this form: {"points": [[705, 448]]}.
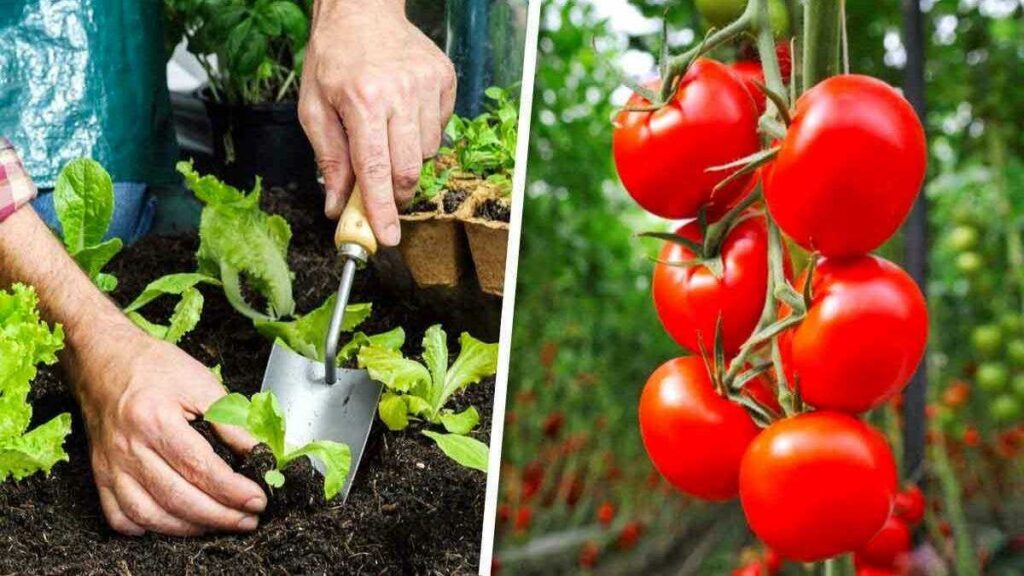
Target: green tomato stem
{"points": [[821, 40]]}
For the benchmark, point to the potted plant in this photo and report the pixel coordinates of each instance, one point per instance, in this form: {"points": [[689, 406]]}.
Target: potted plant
{"points": [[252, 51], [464, 199]]}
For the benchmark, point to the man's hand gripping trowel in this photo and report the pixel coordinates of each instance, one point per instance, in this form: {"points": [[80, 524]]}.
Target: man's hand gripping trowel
{"points": [[320, 401]]}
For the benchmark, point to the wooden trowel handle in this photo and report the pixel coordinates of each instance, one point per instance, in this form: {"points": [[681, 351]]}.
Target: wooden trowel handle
{"points": [[353, 227]]}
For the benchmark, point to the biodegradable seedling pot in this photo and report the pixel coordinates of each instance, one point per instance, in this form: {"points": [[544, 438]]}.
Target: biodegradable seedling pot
{"points": [[264, 140], [433, 248], [488, 244]]}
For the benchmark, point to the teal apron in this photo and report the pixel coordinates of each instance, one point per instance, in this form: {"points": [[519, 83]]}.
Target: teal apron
{"points": [[88, 78]]}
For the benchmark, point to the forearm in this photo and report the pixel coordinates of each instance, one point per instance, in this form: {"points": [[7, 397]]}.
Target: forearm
{"points": [[29, 253]]}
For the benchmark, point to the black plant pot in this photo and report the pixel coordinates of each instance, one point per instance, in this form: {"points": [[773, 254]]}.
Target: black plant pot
{"points": [[264, 140]]}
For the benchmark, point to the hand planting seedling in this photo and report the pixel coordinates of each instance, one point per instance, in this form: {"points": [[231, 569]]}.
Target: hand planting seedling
{"points": [[84, 201], [262, 417], [421, 390], [26, 341]]}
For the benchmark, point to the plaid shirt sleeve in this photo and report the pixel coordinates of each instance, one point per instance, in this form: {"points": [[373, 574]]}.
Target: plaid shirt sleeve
{"points": [[16, 187]]}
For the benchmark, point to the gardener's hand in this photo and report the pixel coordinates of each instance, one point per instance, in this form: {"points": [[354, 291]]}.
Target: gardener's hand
{"points": [[376, 94], [154, 472]]}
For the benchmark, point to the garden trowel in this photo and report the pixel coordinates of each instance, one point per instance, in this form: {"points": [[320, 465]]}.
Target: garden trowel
{"points": [[321, 401]]}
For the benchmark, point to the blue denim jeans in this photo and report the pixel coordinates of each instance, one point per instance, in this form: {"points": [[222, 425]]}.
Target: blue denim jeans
{"points": [[133, 211]]}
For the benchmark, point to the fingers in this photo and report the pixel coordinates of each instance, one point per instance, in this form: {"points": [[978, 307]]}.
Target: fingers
{"points": [[193, 459], [367, 124], [185, 501], [404, 137], [430, 121], [238, 440], [143, 510], [330, 144], [115, 517], [449, 89]]}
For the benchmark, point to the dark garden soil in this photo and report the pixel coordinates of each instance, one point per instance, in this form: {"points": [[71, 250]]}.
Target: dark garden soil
{"points": [[411, 509], [494, 209], [453, 199]]}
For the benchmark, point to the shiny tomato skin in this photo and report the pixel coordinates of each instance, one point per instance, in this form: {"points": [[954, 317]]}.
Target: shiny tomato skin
{"points": [[750, 73], [885, 548], [690, 299], [910, 505], [817, 485], [862, 338], [849, 168], [693, 436], [662, 157]]}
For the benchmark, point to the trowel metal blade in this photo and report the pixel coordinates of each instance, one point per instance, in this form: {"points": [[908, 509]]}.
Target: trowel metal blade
{"points": [[314, 410]]}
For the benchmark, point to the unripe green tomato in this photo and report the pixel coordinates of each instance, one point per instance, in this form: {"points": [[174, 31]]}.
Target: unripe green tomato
{"points": [[992, 377], [1012, 324], [1017, 386], [964, 214], [963, 237], [969, 263], [987, 340], [983, 285], [779, 18], [945, 419], [721, 13], [1006, 408], [1015, 351]]}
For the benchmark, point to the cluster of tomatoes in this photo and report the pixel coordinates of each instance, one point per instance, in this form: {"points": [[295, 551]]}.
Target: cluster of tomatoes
{"points": [[815, 481]]}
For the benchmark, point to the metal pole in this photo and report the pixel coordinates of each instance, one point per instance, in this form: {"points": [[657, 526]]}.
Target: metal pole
{"points": [[916, 247], [468, 49]]}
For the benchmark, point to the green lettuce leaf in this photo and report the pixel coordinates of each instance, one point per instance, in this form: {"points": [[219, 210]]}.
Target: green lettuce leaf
{"points": [[468, 452], [84, 201], [460, 423], [394, 411], [391, 340], [186, 312], [336, 458], [25, 342], [306, 333], [477, 360], [390, 368], [266, 423], [435, 355], [239, 241], [232, 409]]}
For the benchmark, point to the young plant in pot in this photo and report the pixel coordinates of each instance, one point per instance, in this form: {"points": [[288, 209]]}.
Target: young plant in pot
{"points": [[252, 51], [469, 182]]}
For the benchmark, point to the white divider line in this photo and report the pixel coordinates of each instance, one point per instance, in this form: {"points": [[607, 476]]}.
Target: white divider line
{"points": [[511, 267]]}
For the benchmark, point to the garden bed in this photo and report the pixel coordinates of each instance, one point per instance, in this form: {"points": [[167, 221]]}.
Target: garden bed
{"points": [[411, 509]]}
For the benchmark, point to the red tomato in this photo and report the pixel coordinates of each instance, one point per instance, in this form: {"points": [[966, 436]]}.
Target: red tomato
{"points": [[750, 72], [773, 561], [662, 157], [863, 336], [690, 299], [589, 554], [909, 505], [817, 485], [886, 547], [872, 571], [694, 437], [752, 569], [849, 168], [606, 513]]}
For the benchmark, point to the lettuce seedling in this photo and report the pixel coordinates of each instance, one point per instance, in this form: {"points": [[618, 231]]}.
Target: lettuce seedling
{"points": [[263, 418], [431, 182], [84, 201], [186, 312], [486, 145], [422, 390], [305, 334], [238, 240], [26, 341]]}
